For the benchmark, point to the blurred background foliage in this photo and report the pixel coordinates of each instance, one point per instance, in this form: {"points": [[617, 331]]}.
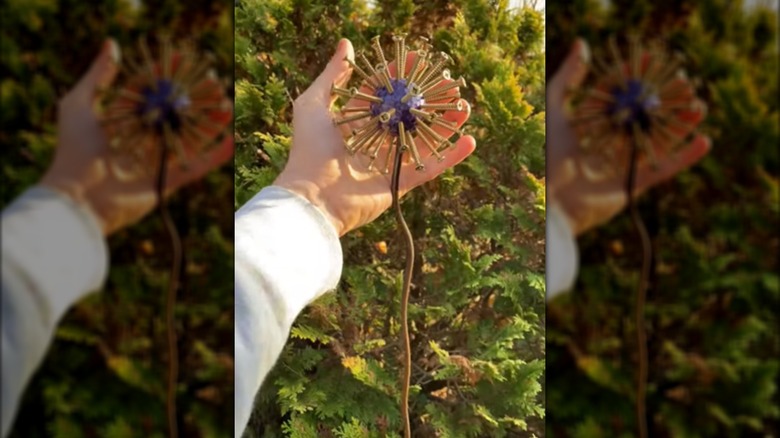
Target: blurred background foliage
{"points": [[477, 305], [712, 313], [105, 374]]}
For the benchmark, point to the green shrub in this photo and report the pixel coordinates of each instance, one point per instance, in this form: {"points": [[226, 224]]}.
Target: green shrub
{"points": [[711, 316]]}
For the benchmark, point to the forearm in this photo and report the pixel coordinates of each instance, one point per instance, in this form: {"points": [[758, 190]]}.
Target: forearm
{"points": [[53, 254], [561, 252], [287, 254]]}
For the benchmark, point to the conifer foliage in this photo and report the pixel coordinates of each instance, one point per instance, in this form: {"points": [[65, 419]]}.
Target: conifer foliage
{"points": [[477, 306], [711, 314]]}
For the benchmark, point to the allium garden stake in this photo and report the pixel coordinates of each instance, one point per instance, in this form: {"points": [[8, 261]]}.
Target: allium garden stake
{"points": [[160, 112], [400, 107], [636, 111]]}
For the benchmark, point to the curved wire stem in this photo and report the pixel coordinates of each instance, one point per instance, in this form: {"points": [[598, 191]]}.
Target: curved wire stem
{"points": [[641, 292], [173, 286], [407, 235]]}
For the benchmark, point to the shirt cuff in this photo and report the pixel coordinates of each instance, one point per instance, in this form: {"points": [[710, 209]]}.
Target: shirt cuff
{"points": [[562, 258], [285, 242], [57, 246], [287, 254]]}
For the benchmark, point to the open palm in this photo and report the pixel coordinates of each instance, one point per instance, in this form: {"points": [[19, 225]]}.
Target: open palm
{"points": [[589, 201], [341, 185], [86, 169]]}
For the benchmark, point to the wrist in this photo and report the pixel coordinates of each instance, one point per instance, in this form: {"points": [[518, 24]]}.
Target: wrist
{"points": [[560, 175], [585, 211], [561, 209], [77, 194], [312, 193]]}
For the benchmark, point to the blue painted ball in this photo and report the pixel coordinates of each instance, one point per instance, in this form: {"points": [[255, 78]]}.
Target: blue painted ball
{"points": [[393, 101], [633, 104], [162, 103]]}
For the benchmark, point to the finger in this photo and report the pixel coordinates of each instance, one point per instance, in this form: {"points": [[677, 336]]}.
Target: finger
{"points": [[392, 72], [198, 134], [671, 165], [594, 102], [430, 86], [448, 95], [336, 72], [196, 169], [410, 57], [392, 69], [675, 129], [676, 90], [221, 117], [644, 64], [570, 74], [102, 72], [208, 88], [693, 116], [367, 89], [411, 178], [458, 118]]}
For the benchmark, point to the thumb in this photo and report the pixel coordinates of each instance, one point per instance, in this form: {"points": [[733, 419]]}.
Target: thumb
{"points": [[102, 71], [336, 72], [571, 73]]}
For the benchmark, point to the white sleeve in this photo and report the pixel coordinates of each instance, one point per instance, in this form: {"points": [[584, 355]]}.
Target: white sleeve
{"points": [[561, 252], [53, 254], [286, 255]]}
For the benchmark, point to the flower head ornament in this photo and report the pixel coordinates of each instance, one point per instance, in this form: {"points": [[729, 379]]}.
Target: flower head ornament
{"points": [[639, 112], [403, 104], [643, 100], [406, 105], [170, 106]]}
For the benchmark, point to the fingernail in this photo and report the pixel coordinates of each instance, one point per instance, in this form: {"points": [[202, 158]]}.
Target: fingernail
{"points": [[114, 51], [341, 47], [584, 51]]}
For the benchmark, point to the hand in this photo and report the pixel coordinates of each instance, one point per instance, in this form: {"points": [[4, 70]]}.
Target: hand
{"points": [[85, 168], [342, 186], [589, 201]]}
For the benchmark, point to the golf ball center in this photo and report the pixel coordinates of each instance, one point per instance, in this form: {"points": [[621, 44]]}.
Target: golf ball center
{"points": [[633, 104], [162, 103], [394, 100]]}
